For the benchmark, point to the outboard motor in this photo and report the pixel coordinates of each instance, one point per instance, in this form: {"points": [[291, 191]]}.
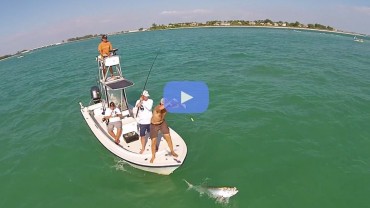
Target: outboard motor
{"points": [[95, 94]]}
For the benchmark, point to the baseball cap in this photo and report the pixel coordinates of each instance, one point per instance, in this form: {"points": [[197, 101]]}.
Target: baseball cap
{"points": [[146, 93]]}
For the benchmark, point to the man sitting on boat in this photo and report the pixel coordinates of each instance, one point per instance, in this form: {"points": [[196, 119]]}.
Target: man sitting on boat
{"points": [[114, 116], [144, 115], [158, 123], [104, 48]]}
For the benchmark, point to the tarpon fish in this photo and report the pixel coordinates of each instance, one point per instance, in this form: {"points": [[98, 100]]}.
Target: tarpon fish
{"points": [[221, 194]]}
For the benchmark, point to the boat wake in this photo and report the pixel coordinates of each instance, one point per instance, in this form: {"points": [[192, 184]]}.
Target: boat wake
{"points": [[121, 165], [238, 55], [221, 194]]}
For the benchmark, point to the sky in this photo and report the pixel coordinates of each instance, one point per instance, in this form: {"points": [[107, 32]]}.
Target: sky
{"points": [[27, 24]]}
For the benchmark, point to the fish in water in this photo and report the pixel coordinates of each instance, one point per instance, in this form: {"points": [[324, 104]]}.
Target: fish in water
{"points": [[221, 194]]}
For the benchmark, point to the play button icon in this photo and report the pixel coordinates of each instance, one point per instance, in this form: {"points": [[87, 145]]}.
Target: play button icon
{"points": [[186, 97]]}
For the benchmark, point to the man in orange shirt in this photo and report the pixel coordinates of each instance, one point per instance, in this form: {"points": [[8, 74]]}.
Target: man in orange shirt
{"points": [[104, 49]]}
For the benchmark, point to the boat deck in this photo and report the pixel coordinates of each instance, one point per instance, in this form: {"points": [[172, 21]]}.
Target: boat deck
{"points": [[163, 156]]}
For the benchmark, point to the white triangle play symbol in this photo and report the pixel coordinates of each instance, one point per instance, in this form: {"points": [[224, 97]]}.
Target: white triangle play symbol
{"points": [[185, 97]]}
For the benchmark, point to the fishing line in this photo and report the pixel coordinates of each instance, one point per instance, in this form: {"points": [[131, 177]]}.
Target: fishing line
{"points": [[147, 77], [146, 81]]}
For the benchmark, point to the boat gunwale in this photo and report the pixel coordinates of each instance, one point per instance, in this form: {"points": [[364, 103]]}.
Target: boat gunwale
{"points": [[134, 163]]}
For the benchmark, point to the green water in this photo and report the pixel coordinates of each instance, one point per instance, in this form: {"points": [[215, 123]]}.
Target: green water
{"points": [[287, 124]]}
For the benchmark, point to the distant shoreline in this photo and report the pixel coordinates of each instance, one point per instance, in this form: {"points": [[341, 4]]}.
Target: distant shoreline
{"points": [[272, 27], [211, 26]]}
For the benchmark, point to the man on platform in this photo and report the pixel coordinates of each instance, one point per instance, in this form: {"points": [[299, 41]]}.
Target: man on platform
{"points": [[105, 48]]}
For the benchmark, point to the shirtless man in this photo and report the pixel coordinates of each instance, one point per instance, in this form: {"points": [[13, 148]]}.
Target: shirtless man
{"points": [[158, 123]]}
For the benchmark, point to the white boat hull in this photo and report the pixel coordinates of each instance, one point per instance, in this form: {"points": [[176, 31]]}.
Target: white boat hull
{"points": [[164, 162]]}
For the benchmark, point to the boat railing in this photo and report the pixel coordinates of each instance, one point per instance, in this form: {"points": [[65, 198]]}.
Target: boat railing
{"points": [[111, 62]]}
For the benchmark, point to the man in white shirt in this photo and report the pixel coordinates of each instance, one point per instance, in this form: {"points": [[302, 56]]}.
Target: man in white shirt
{"points": [[114, 116], [144, 116]]}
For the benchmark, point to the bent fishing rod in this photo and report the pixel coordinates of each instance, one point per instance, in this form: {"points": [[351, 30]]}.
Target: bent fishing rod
{"points": [[146, 81]]}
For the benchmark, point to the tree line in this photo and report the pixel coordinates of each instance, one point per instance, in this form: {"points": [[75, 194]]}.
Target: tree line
{"points": [[266, 22]]}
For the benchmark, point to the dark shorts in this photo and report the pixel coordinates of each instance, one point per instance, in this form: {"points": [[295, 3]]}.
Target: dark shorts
{"points": [[144, 128], [154, 128]]}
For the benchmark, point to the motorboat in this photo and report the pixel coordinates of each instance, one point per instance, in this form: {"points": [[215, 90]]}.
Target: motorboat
{"points": [[358, 39], [113, 89]]}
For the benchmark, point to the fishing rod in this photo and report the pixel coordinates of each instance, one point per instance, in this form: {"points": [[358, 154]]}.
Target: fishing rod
{"points": [[146, 81]]}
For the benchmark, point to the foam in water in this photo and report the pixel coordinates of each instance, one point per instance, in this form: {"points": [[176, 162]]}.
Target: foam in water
{"points": [[121, 165]]}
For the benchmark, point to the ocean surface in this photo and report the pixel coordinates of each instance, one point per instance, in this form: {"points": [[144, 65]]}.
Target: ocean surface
{"points": [[287, 124]]}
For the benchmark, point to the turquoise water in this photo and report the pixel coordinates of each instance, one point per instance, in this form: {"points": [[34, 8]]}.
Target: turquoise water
{"points": [[287, 122]]}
